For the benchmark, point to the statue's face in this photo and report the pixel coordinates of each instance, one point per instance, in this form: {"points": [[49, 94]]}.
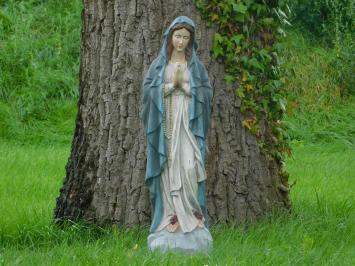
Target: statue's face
{"points": [[181, 39]]}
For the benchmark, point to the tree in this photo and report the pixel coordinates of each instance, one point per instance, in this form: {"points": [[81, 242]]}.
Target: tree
{"points": [[104, 180]]}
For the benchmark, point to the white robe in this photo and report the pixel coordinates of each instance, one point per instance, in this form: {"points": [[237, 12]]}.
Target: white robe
{"points": [[185, 166]]}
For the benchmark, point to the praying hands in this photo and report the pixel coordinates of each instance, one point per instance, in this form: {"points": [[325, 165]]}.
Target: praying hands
{"points": [[177, 84]]}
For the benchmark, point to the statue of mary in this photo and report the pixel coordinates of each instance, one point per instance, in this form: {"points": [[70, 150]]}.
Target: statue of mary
{"points": [[176, 117]]}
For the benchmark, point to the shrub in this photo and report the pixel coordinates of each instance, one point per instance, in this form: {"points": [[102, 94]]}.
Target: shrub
{"points": [[329, 19]]}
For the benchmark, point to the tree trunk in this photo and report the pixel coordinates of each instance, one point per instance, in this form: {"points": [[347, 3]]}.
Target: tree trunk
{"points": [[104, 180]]}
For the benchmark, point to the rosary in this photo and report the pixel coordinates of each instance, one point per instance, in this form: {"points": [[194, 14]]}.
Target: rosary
{"points": [[168, 132]]}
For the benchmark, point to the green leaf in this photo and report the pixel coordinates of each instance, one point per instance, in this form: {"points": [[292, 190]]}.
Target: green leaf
{"points": [[264, 104], [218, 38], [277, 83], [240, 8], [237, 38], [229, 79], [265, 55], [255, 64], [283, 103], [217, 51], [239, 92], [267, 21], [239, 17]]}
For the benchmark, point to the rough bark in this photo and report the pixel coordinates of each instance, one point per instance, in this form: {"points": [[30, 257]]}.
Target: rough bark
{"points": [[104, 180]]}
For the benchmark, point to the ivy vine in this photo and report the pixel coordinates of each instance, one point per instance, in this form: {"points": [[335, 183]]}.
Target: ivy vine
{"points": [[246, 42]]}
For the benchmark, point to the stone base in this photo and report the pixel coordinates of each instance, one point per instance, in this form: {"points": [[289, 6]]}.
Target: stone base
{"points": [[197, 241]]}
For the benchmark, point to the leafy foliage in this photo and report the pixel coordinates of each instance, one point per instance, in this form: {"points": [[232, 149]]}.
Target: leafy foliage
{"points": [[246, 42]]}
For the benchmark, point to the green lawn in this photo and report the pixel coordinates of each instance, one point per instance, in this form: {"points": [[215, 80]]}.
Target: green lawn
{"points": [[319, 232]]}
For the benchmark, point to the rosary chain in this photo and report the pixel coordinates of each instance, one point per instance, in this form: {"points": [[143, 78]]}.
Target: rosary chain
{"points": [[168, 131]]}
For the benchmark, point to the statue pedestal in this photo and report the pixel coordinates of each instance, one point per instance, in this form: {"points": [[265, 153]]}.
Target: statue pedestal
{"points": [[197, 241]]}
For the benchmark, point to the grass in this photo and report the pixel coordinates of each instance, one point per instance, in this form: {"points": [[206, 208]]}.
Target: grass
{"points": [[321, 108], [335, 124], [39, 68], [320, 231]]}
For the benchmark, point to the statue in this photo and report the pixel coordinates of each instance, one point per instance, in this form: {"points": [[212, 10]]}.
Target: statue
{"points": [[176, 116]]}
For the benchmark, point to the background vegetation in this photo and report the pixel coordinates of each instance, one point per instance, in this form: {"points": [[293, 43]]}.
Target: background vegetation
{"points": [[39, 66], [319, 63]]}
